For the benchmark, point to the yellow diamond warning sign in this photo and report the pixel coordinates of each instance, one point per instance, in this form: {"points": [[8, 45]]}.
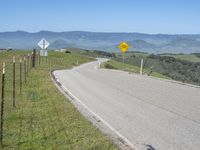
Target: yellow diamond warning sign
{"points": [[123, 46]]}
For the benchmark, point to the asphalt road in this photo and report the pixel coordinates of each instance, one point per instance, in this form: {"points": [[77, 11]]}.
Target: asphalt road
{"points": [[145, 110]]}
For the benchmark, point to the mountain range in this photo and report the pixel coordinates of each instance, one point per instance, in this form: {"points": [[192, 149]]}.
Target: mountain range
{"points": [[152, 43]]}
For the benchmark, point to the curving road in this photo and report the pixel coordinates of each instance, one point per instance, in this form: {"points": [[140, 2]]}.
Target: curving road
{"points": [[149, 112]]}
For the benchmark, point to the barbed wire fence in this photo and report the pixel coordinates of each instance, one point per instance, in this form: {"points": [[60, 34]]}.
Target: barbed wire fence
{"points": [[15, 72]]}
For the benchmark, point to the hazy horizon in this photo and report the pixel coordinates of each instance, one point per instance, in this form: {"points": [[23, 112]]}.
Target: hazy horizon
{"points": [[100, 32]]}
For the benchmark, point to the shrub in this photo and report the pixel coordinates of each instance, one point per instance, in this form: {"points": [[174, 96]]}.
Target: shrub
{"points": [[109, 66], [68, 52]]}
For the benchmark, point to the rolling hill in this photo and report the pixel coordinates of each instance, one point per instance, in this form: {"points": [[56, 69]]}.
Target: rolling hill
{"points": [[153, 43]]}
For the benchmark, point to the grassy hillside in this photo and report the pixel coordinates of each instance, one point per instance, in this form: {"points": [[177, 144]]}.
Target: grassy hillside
{"points": [[132, 54], [180, 67], [186, 57], [177, 69], [130, 68], [43, 118]]}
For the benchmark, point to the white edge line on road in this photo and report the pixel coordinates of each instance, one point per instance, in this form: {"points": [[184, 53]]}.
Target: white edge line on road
{"points": [[97, 116], [131, 145]]}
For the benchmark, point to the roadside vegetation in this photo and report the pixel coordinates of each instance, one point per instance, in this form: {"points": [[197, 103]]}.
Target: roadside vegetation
{"points": [[177, 69], [112, 64], [43, 118], [187, 57], [180, 67]]}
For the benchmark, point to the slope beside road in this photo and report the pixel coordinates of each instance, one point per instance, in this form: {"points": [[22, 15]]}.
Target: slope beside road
{"points": [[150, 113]]}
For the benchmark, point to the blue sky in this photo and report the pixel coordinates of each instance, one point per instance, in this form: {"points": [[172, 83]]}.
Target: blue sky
{"points": [[146, 16]]}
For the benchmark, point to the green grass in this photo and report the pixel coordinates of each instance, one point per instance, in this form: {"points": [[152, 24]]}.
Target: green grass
{"points": [[43, 118], [111, 64], [188, 57], [131, 53]]}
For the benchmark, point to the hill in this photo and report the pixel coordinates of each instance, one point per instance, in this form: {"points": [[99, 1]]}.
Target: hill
{"points": [[59, 44], [153, 43]]}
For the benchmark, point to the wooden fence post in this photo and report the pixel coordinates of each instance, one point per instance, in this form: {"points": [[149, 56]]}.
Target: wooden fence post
{"points": [[141, 66], [33, 58], [2, 105], [13, 81]]}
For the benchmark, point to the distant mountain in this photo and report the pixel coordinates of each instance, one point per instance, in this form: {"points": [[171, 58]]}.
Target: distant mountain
{"points": [[184, 42], [141, 44], [153, 43], [181, 45], [59, 44]]}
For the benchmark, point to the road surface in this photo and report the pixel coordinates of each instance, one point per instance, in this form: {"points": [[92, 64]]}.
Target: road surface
{"points": [[148, 112]]}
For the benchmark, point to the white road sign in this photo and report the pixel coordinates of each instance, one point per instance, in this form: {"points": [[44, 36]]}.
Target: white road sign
{"points": [[43, 52], [43, 44]]}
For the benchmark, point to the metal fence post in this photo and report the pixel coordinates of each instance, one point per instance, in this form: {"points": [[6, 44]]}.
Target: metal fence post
{"points": [[28, 59], [20, 75], [24, 69], [39, 57]]}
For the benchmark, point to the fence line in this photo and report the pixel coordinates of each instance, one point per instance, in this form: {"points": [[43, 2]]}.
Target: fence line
{"points": [[22, 65]]}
